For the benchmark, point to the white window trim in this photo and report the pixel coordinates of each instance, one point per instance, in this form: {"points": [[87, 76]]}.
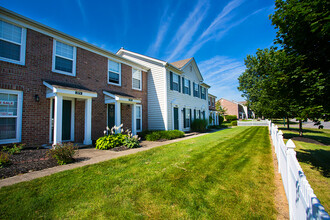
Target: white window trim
{"points": [[111, 83], [19, 116], [174, 74], [23, 46], [186, 85], [139, 118], [74, 59], [140, 79]]}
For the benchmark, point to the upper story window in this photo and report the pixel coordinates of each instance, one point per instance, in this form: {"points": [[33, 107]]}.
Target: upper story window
{"points": [[186, 86], [12, 43], [196, 90], [176, 81], [114, 73], [136, 79], [210, 101], [203, 96], [64, 58]]}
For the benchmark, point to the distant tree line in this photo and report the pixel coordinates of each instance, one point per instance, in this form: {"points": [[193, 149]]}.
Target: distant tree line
{"points": [[292, 78]]}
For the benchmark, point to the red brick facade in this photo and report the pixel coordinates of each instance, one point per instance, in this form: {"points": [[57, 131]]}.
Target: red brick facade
{"points": [[91, 72]]}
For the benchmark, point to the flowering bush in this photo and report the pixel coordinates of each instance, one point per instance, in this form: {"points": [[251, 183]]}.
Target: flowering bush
{"points": [[131, 141], [63, 153]]}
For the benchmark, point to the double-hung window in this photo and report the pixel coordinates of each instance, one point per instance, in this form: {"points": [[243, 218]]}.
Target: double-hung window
{"points": [[186, 86], [64, 58], [196, 90], [136, 79], [114, 73], [12, 43], [203, 96], [138, 118], [176, 81], [197, 114], [10, 116], [187, 118]]}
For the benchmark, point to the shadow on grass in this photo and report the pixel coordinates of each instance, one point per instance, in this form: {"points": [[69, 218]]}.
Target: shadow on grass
{"points": [[304, 130], [314, 139], [319, 159]]}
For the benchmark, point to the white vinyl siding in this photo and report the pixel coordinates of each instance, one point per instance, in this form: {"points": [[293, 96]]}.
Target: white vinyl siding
{"points": [[114, 73], [136, 79], [10, 116], [156, 91], [12, 43], [64, 58], [138, 118]]}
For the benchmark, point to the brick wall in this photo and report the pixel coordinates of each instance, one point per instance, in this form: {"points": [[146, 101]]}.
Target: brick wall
{"points": [[91, 73]]}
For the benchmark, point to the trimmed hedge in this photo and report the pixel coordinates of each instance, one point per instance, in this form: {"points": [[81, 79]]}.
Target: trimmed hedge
{"points": [[231, 118], [199, 125], [167, 135], [221, 119], [234, 123]]}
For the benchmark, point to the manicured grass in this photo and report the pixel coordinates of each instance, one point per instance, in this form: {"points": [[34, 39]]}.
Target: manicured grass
{"points": [[227, 174], [280, 121], [314, 159]]}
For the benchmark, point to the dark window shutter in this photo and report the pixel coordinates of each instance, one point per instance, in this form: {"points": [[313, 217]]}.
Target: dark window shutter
{"points": [[179, 84], [171, 80], [194, 89], [199, 114], [182, 84], [194, 113], [189, 87], [190, 118], [184, 117]]}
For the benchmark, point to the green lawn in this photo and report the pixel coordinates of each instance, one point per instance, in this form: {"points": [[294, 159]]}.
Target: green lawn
{"points": [[314, 159], [228, 174]]}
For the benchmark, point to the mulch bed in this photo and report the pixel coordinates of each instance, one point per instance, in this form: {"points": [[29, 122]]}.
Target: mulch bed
{"points": [[27, 161]]}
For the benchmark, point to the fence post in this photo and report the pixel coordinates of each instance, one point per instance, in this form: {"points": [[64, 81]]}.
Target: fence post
{"points": [[278, 150], [291, 183]]}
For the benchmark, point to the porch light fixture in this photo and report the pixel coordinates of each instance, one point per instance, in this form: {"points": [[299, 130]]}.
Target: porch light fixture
{"points": [[36, 98]]}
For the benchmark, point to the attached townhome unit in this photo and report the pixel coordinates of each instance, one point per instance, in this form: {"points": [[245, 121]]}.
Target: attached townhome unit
{"points": [[176, 92], [240, 109], [214, 114], [56, 88]]}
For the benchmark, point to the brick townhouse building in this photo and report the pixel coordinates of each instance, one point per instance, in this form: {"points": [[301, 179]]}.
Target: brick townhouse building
{"points": [[214, 114], [54, 87], [240, 109]]}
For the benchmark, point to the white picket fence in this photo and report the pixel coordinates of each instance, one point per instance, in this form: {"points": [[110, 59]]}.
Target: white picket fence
{"points": [[253, 123], [303, 203]]}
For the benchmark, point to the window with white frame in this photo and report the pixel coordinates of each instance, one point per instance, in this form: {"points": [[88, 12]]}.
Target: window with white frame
{"points": [[137, 79], [12, 43], [196, 91], [197, 114], [176, 79], [187, 118], [64, 58], [210, 101], [186, 86], [138, 118], [10, 116], [114, 73], [203, 96]]}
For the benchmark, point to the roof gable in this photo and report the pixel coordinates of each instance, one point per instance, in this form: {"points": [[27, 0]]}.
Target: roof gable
{"points": [[181, 63]]}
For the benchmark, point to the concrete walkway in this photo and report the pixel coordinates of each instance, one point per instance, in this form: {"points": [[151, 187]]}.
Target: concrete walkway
{"points": [[92, 156]]}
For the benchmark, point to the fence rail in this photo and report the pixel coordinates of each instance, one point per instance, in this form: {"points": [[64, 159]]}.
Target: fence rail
{"points": [[253, 123], [303, 203]]}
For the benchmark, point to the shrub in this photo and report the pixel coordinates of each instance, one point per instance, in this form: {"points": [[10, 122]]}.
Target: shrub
{"points": [[110, 141], [4, 159], [231, 118], [199, 125], [234, 123], [63, 153], [221, 119], [144, 133], [13, 150], [132, 142], [168, 135]]}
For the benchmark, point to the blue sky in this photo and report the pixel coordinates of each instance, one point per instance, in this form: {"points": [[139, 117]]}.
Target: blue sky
{"points": [[218, 34]]}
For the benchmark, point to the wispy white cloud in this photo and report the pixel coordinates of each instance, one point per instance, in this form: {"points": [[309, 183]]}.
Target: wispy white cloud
{"points": [[221, 73], [188, 29], [82, 11], [221, 26], [164, 25]]}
